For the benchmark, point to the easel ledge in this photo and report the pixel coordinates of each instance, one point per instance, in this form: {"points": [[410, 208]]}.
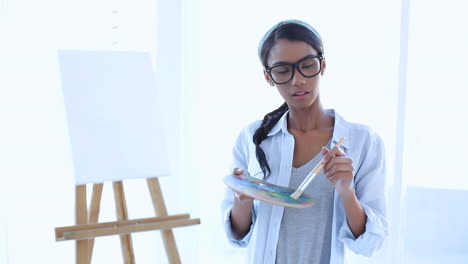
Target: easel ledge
{"points": [[89, 231], [87, 227]]}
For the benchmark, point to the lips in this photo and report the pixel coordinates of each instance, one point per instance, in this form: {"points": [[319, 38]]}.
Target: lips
{"points": [[300, 93]]}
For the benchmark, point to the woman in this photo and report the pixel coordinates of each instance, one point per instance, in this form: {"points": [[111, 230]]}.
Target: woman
{"points": [[349, 194]]}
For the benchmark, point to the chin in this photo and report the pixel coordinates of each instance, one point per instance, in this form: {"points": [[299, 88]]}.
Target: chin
{"points": [[300, 106]]}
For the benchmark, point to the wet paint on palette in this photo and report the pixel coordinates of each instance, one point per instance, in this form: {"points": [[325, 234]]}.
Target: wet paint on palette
{"points": [[266, 191]]}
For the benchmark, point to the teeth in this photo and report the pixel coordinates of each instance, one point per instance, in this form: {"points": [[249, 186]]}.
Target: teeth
{"points": [[301, 93]]}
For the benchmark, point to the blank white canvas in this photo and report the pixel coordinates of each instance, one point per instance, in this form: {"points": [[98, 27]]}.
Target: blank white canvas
{"points": [[113, 115]]}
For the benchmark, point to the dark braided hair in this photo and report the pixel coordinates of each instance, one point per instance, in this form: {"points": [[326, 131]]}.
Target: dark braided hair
{"points": [[261, 133], [292, 30]]}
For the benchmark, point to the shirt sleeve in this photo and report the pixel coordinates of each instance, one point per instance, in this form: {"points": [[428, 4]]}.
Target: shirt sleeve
{"points": [[240, 158], [371, 191]]}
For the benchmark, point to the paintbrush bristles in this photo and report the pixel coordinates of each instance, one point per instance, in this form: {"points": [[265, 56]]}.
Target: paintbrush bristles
{"points": [[296, 194]]}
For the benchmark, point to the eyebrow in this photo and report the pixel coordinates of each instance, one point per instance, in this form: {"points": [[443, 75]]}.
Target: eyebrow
{"points": [[286, 62]]}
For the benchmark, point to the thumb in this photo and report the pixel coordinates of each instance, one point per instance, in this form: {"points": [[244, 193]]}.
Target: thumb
{"points": [[325, 151], [238, 171]]}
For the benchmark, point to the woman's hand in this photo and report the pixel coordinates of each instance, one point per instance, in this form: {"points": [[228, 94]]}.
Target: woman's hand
{"points": [[339, 171], [241, 212], [239, 197]]}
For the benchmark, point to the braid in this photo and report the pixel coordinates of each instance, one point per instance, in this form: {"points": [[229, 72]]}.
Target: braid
{"points": [[261, 133]]}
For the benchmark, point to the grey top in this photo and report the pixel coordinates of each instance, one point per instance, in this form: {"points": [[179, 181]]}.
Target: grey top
{"points": [[305, 233]]}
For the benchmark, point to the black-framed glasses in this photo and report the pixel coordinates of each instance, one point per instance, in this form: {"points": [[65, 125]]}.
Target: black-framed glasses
{"points": [[308, 66]]}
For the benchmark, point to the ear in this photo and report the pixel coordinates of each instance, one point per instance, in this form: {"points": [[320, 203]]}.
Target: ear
{"points": [[268, 78], [324, 66]]}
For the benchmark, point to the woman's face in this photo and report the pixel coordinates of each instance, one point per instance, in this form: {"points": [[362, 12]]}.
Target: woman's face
{"points": [[300, 92]]}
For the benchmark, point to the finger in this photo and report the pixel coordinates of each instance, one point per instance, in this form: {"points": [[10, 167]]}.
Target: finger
{"points": [[341, 167], [238, 171], [326, 155], [331, 179], [335, 150], [337, 160], [324, 151], [339, 152], [331, 153], [342, 176]]}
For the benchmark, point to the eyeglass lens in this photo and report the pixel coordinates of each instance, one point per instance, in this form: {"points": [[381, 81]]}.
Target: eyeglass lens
{"points": [[284, 73]]}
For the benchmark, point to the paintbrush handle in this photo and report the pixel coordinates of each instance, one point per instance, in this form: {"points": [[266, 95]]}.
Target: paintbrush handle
{"points": [[308, 179], [310, 176]]}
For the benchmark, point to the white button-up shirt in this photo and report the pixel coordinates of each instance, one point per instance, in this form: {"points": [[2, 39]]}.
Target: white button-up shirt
{"points": [[366, 150]]}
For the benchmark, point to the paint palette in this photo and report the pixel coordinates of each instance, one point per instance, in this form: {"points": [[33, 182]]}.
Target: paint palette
{"points": [[266, 191]]}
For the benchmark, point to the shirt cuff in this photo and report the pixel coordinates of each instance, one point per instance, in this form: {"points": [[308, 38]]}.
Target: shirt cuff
{"points": [[244, 242], [373, 237]]}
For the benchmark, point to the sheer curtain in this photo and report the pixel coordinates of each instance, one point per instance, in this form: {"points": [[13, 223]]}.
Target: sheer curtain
{"points": [[434, 170]]}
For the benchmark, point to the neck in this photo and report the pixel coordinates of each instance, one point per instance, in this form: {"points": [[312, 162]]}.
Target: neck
{"points": [[309, 119]]}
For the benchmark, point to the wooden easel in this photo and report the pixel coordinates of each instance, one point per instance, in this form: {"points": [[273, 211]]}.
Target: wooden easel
{"points": [[87, 227]]}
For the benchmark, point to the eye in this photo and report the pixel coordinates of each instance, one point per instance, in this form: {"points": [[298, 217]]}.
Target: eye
{"points": [[307, 64], [283, 69]]}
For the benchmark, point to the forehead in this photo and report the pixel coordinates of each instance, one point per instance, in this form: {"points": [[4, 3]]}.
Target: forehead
{"points": [[289, 51]]}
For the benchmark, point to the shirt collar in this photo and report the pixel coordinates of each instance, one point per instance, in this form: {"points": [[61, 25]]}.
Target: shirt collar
{"points": [[282, 124], [339, 130]]}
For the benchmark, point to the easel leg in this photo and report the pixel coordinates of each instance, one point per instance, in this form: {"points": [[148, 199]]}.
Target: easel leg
{"points": [[81, 215], [160, 208], [94, 213], [121, 207]]}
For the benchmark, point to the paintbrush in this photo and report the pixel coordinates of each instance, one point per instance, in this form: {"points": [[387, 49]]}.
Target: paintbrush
{"points": [[308, 179]]}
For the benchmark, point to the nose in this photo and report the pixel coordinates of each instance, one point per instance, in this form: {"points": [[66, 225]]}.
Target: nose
{"points": [[297, 77]]}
